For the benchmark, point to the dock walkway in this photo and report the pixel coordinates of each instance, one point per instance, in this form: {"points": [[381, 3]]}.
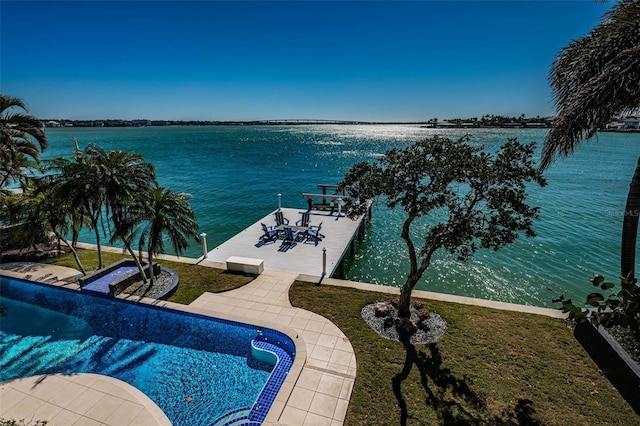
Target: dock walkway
{"points": [[303, 257]]}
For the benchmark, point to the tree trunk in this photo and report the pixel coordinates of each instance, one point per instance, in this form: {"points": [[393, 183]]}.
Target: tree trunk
{"points": [[414, 276], [405, 296], [138, 264], [150, 257], [416, 273], [630, 229], [73, 250], [97, 232]]}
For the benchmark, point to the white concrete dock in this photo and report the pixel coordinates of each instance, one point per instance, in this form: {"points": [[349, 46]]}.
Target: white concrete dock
{"points": [[302, 258]]}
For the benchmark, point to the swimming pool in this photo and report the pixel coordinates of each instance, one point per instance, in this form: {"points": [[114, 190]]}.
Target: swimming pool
{"points": [[195, 368]]}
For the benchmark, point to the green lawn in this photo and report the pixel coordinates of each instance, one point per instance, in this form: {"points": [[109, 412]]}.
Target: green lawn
{"points": [[490, 368]]}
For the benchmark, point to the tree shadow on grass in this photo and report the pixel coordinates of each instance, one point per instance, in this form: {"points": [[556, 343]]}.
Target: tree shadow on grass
{"points": [[453, 400]]}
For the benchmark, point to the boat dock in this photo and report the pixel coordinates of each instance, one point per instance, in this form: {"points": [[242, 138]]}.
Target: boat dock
{"points": [[304, 257]]}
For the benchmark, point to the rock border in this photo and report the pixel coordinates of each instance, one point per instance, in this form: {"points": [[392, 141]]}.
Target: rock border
{"points": [[430, 330], [165, 284]]}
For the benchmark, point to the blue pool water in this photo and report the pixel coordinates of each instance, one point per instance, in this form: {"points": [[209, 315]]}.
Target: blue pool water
{"points": [[194, 368]]}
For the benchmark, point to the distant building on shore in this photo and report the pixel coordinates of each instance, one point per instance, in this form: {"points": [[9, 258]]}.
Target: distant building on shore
{"points": [[629, 123]]}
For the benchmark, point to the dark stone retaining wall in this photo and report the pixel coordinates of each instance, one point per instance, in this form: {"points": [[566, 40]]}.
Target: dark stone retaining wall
{"points": [[613, 360], [119, 285], [169, 290]]}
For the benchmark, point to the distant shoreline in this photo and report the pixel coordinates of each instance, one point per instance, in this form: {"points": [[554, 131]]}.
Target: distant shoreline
{"points": [[620, 130], [541, 123], [165, 123]]}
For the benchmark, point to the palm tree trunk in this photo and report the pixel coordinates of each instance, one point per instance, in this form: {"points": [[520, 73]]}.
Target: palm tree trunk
{"points": [[73, 250], [150, 257], [138, 264], [97, 232], [630, 229]]}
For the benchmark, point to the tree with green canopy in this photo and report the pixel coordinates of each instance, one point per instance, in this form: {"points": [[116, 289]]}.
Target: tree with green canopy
{"points": [[125, 178], [470, 198]]}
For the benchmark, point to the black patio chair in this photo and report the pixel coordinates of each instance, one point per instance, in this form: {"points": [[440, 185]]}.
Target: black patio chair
{"points": [[269, 234], [304, 220], [313, 234], [280, 219]]}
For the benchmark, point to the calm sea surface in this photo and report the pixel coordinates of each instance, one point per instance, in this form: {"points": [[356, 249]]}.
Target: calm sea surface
{"points": [[234, 174]]}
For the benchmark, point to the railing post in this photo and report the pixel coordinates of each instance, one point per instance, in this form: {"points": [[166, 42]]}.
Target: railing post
{"points": [[324, 261], [324, 192], [203, 240], [279, 201]]}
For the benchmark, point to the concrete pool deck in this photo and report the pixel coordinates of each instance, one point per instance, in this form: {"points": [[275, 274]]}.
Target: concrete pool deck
{"points": [[38, 272], [77, 399]]}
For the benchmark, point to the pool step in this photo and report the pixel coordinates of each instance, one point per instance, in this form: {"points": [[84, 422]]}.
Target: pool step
{"points": [[235, 418], [264, 349]]}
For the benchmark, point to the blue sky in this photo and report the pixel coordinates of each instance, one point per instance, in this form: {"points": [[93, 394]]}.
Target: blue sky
{"points": [[210, 60]]}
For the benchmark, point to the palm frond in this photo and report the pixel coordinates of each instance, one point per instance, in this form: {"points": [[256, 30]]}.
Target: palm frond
{"points": [[594, 79]]}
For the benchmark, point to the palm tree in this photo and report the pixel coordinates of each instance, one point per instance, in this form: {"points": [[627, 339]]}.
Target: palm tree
{"points": [[125, 228], [58, 184], [124, 176], [594, 79], [101, 185], [56, 214], [22, 137], [40, 211], [167, 213], [16, 171], [21, 210], [127, 178], [78, 181]]}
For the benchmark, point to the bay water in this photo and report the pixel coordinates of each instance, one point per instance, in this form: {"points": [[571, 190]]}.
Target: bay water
{"points": [[234, 174]]}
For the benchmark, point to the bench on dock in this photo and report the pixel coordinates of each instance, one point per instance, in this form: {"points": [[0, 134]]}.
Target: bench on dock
{"points": [[329, 201], [247, 265]]}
